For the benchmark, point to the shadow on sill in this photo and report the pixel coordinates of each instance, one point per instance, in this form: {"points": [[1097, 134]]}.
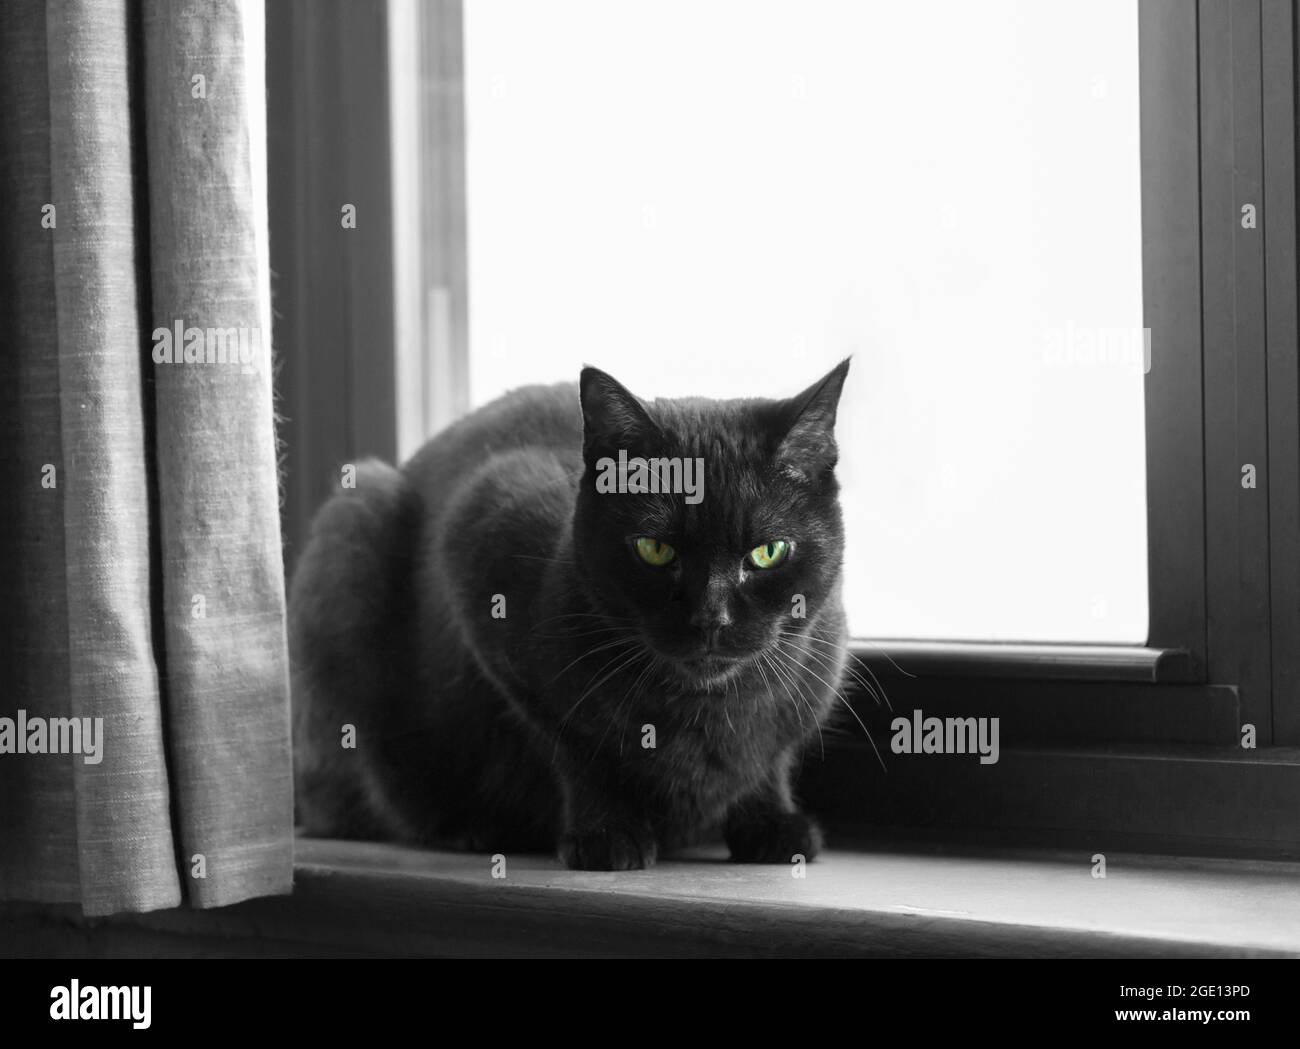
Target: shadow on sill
{"points": [[355, 898]]}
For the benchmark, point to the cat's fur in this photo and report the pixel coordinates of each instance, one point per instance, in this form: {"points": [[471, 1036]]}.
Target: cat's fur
{"points": [[529, 732]]}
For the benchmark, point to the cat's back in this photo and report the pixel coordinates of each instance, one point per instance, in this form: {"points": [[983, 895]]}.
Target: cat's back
{"points": [[540, 425], [394, 628], [498, 490]]}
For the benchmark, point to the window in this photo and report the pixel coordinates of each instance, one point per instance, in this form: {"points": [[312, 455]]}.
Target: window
{"points": [[477, 145], [726, 200]]}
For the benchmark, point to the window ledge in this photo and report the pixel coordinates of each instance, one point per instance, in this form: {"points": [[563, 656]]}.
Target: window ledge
{"points": [[354, 898], [1025, 660]]}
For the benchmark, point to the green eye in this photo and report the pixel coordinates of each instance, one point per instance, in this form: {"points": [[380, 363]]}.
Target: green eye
{"points": [[653, 552], [769, 555]]}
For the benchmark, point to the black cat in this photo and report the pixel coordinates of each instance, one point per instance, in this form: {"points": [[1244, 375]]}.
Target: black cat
{"points": [[522, 660]]}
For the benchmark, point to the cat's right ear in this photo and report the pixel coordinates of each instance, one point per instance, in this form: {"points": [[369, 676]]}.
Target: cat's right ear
{"points": [[613, 417], [807, 450]]}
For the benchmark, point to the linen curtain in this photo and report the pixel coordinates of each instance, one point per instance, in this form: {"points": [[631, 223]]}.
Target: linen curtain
{"points": [[143, 581]]}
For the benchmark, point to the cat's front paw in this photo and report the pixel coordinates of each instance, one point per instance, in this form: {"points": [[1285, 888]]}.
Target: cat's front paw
{"points": [[610, 847], [775, 837]]}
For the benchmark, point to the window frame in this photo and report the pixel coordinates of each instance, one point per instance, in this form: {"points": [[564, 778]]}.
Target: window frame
{"points": [[1224, 559], [328, 145], [1086, 725]]}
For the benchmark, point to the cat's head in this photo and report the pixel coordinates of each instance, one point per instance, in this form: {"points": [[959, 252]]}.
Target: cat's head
{"points": [[748, 539]]}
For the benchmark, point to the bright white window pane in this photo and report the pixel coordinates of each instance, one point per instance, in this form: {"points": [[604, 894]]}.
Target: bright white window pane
{"points": [[727, 197]]}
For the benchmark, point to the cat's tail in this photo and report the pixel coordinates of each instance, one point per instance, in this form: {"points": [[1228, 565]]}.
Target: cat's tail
{"points": [[351, 645]]}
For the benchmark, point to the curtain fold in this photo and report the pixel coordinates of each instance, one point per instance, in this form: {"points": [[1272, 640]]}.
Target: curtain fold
{"points": [[138, 450], [122, 812]]}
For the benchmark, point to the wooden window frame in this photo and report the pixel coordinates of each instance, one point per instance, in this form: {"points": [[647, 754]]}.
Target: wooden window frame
{"points": [[353, 377], [1085, 728]]}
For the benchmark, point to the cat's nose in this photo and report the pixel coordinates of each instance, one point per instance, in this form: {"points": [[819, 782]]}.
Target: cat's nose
{"points": [[711, 613], [711, 623]]}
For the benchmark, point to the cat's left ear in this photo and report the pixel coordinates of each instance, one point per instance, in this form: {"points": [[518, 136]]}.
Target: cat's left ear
{"points": [[808, 449], [613, 417]]}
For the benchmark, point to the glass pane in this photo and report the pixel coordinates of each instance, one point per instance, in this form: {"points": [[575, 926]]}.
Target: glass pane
{"points": [[726, 198]]}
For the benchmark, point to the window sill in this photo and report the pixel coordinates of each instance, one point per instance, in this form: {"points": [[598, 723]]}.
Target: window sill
{"points": [[353, 898], [1023, 660]]}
